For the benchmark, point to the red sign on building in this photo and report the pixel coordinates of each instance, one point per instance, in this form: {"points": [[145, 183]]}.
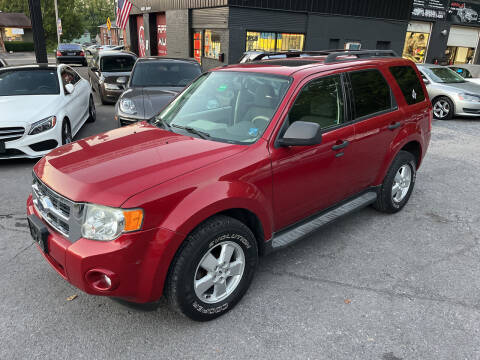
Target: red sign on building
{"points": [[141, 36], [161, 34]]}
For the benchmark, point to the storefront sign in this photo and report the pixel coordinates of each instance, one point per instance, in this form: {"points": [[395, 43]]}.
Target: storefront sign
{"points": [[197, 46], [17, 31], [161, 34], [141, 36], [430, 9], [461, 12]]}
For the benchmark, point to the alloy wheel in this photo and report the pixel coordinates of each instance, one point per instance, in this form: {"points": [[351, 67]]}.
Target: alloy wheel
{"points": [[441, 109], [401, 183], [219, 272]]}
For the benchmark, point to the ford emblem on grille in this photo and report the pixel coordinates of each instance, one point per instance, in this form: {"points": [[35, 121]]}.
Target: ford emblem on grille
{"points": [[46, 203]]}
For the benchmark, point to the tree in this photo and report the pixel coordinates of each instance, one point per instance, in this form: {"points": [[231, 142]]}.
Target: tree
{"points": [[95, 13]]}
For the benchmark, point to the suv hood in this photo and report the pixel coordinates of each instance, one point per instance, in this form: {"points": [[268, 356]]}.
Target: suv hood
{"points": [[150, 100], [27, 108], [109, 168]]}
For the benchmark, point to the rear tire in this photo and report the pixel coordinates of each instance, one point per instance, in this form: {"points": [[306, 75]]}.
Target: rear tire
{"points": [[443, 108], [398, 184], [203, 285]]}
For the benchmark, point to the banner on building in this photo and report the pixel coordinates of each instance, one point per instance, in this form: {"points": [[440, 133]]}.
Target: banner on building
{"points": [[464, 12], [141, 36], [161, 34], [430, 9]]}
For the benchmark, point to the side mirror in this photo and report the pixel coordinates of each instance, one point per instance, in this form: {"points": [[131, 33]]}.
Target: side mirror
{"points": [[301, 133], [426, 81], [69, 88], [122, 80]]}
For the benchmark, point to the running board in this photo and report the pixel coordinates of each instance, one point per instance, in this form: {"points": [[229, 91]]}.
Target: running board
{"points": [[290, 236]]}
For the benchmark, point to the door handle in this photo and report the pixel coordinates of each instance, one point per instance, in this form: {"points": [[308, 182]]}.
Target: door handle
{"points": [[394, 125], [343, 145]]}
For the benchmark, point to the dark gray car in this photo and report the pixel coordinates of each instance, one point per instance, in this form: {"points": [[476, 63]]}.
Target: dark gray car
{"points": [[153, 83]]}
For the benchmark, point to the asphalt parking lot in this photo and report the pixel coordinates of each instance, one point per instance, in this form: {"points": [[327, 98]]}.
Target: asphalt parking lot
{"points": [[370, 286]]}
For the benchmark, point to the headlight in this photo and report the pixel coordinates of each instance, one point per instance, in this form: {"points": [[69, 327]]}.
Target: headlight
{"points": [[109, 86], [469, 97], [42, 125], [128, 106], [106, 223]]}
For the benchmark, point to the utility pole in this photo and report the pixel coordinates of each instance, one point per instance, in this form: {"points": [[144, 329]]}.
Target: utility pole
{"points": [[38, 33], [56, 22]]}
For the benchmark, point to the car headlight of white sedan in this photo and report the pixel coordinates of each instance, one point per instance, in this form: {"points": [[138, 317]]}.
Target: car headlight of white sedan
{"points": [[469, 97], [43, 125], [106, 223], [127, 106]]}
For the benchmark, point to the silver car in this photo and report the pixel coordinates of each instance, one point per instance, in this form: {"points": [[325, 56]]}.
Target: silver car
{"points": [[450, 94]]}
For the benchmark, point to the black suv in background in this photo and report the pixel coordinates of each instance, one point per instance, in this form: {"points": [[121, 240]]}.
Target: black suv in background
{"points": [[153, 83], [109, 72]]}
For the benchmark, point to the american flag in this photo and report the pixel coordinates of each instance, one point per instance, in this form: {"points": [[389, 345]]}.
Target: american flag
{"points": [[123, 10]]}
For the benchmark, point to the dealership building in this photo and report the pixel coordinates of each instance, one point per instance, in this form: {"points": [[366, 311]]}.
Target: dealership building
{"points": [[218, 32]]}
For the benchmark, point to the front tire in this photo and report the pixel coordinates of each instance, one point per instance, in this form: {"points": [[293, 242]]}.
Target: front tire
{"points": [[92, 113], [66, 132], [398, 184], [212, 269], [443, 108]]}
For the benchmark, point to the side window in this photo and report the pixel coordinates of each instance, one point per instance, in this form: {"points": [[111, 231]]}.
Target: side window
{"points": [[321, 102], [67, 77], [74, 75], [409, 83], [371, 92]]}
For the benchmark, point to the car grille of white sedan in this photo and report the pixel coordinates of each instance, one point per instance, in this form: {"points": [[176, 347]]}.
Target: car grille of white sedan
{"points": [[11, 133]]}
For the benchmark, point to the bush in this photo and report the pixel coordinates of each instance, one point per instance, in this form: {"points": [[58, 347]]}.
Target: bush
{"points": [[19, 46]]}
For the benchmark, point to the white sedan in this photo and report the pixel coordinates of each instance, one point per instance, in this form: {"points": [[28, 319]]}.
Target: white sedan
{"points": [[41, 108]]}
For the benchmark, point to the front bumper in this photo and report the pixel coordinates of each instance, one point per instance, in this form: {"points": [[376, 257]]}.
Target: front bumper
{"points": [[467, 108], [111, 95], [137, 261], [32, 146]]}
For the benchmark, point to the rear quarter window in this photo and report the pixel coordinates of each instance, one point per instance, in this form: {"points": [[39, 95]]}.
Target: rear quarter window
{"points": [[371, 93], [408, 81]]}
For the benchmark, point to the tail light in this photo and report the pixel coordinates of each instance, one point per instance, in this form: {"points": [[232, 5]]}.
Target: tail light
{"points": [[59, 53], [82, 53]]}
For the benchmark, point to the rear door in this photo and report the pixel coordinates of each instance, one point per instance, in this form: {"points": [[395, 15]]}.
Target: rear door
{"points": [[377, 121], [307, 179]]}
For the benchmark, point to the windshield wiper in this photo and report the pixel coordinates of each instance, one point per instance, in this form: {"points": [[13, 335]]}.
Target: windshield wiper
{"points": [[202, 134], [157, 120]]}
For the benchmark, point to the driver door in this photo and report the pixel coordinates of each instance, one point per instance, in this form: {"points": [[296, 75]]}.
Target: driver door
{"points": [[307, 179]]}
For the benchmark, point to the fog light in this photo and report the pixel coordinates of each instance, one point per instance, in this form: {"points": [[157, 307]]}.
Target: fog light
{"points": [[101, 279]]}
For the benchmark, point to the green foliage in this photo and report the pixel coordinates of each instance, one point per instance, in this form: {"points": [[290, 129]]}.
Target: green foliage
{"points": [[17, 46], [76, 15]]}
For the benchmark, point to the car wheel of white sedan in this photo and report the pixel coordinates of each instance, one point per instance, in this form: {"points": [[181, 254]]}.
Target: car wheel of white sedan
{"points": [[66, 133]]}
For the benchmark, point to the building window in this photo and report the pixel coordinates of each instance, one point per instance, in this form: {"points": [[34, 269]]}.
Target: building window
{"points": [[416, 46], [197, 46], [272, 41], [212, 47]]}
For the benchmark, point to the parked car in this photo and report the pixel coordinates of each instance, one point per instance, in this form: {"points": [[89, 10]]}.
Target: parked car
{"points": [[71, 54], [465, 73], [3, 63], [109, 73], [153, 83], [451, 95], [92, 49], [248, 159], [42, 107]]}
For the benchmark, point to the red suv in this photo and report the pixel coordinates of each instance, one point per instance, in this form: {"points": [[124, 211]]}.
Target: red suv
{"points": [[247, 159]]}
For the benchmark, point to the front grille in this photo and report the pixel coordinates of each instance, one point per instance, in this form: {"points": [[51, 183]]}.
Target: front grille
{"points": [[54, 208], [11, 133]]}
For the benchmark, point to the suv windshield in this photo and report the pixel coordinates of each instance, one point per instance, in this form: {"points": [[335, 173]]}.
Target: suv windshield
{"points": [[117, 63], [228, 106], [443, 75], [163, 73], [29, 82]]}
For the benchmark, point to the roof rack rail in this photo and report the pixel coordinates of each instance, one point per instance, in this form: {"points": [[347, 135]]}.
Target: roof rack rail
{"points": [[360, 54]]}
